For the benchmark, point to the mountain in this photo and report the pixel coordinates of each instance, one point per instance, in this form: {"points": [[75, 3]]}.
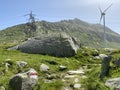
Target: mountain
{"points": [[87, 34]]}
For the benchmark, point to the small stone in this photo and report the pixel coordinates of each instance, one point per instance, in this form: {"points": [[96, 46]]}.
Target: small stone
{"points": [[21, 63], [85, 67], [69, 76], [47, 81], [65, 88], [76, 72], [44, 67], [84, 76], [52, 76], [7, 65], [77, 86], [97, 57], [61, 67], [102, 56], [76, 80], [2, 88]]}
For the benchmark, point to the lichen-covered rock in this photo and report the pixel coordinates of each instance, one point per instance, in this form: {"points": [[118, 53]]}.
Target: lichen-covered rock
{"points": [[62, 68], [21, 63], [113, 83], [105, 67], [102, 56], [24, 81], [77, 86], [44, 67], [2, 88], [60, 45]]}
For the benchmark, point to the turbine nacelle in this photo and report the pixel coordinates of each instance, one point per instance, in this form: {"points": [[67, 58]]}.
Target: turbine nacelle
{"points": [[104, 11], [103, 14]]}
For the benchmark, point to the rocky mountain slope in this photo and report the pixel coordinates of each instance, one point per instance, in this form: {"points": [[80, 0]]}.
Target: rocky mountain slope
{"points": [[86, 33], [83, 71]]}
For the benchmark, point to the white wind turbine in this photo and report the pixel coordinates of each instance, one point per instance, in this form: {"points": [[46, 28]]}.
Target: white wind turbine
{"points": [[103, 13]]}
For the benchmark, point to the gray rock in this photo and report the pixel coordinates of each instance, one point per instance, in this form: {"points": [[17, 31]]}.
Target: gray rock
{"points": [[77, 86], [51, 76], [47, 81], [85, 67], [69, 76], [13, 48], [7, 65], [44, 67], [61, 67], [83, 77], [65, 88], [60, 45], [105, 67], [102, 56], [97, 57], [108, 49], [76, 80], [24, 81], [21, 63], [113, 83], [117, 62], [2, 88], [75, 72]]}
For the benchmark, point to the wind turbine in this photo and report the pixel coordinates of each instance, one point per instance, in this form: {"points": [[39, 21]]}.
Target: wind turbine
{"points": [[103, 13], [31, 17]]}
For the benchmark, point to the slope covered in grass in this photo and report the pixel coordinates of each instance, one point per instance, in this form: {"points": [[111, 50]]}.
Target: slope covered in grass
{"points": [[84, 57]]}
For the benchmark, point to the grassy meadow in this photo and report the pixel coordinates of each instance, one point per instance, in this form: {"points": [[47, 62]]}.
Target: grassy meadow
{"points": [[84, 57]]}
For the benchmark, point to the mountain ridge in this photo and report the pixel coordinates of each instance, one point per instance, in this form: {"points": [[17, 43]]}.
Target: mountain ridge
{"points": [[88, 34]]}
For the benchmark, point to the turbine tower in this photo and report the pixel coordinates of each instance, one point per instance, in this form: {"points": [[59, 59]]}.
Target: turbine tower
{"points": [[103, 13]]}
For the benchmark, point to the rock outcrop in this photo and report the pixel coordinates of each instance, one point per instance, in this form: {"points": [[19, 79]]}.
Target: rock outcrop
{"points": [[105, 67], [60, 45], [24, 81], [113, 83]]}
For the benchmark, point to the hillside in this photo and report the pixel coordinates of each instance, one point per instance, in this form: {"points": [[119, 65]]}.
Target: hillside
{"points": [[79, 72], [58, 78], [87, 34]]}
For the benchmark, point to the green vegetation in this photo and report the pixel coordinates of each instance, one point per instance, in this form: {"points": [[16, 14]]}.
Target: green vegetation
{"points": [[82, 58]]}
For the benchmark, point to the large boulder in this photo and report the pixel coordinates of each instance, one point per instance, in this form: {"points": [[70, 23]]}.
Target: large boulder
{"points": [[24, 81], [105, 67], [60, 45], [113, 83]]}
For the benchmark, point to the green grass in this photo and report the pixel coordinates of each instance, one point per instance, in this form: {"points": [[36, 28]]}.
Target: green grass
{"points": [[83, 57]]}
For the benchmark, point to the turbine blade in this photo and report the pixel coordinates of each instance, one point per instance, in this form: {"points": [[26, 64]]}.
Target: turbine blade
{"points": [[100, 9], [108, 7], [100, 18], [25, 15]]}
